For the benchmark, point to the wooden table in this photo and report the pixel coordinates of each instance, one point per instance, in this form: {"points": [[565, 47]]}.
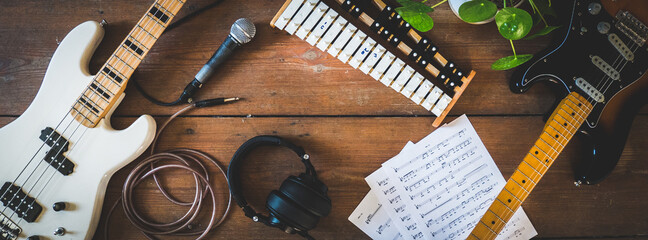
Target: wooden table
{"points": [[348, 122]]}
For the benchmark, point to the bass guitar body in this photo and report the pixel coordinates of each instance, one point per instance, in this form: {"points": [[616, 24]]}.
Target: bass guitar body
{"points": [[601, 54], [54, 170]]}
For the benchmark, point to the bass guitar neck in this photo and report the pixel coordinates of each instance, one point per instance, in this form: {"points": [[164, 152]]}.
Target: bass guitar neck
{"points": [[560, 128]]}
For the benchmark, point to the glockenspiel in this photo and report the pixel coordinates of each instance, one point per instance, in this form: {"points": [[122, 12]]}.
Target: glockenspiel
{"points": [[370, 36]]}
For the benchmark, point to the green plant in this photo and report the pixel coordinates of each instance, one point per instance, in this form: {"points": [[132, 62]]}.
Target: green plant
{"points": [[513, 23]]}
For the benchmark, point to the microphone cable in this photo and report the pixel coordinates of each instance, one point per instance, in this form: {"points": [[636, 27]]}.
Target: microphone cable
{"points": [[190, 160], [191, 88]]}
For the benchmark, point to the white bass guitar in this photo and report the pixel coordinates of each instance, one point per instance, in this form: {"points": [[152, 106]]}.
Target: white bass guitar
{"points": [[58, 157]]}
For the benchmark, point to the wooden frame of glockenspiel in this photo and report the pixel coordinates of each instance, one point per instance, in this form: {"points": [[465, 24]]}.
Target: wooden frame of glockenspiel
{"points": [[401, 50]]}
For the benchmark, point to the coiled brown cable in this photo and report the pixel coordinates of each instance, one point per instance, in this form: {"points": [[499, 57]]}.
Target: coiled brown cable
{"points": [[189, 160]]}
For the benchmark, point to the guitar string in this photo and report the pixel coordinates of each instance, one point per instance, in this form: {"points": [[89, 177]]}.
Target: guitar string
{"points": [[60, 136], [620, 70], [553, 155], [606, 77], [583, 118], [634, 51], [54, 173]]}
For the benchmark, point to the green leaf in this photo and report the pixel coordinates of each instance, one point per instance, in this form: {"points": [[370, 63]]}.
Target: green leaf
{"points": [[477, 10], [544, 7], [513, 23], [419, 21], [543, 32], [416, 14], [509, 62], [412, 6]]}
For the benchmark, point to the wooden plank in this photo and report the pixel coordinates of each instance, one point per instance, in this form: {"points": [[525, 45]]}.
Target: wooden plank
{"points": [[556, 207], [297, 78]]}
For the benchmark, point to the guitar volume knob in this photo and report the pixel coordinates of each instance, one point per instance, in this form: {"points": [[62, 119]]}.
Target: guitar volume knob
{"points": [[594, 8], [603, 27], [59, 206]]}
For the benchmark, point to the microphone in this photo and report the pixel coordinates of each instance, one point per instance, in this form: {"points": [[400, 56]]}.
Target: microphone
{"points": [[241, 32]]}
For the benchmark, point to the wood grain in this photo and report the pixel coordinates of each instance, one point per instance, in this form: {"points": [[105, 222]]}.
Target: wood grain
{"points": [[347, 121]]}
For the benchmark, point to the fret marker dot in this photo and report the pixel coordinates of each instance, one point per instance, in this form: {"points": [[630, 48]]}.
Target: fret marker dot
{"points": [[523, 181], [547, 160], [493, 222], [573, 114], [509, 200], [536, 152], [556, 136], [565, 124]]}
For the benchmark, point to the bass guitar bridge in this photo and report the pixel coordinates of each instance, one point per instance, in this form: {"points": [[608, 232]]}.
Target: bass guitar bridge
{"points": [[8, 229]]}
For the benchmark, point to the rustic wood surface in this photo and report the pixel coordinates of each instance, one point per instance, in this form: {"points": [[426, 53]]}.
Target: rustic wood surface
{"points": [[348, 122]]}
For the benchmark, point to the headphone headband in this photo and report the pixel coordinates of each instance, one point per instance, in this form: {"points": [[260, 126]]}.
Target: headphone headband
{"points": [[244, 150]]}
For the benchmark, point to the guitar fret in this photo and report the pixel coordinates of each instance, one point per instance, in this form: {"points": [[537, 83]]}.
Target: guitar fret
{"points": [[535, 172], [125, 63], [101, 91], [81, 114], [142, 37], [133, 47], [549, 145], [560, 128], [110, 81], [110, 73], [525, 176], [487, 228], [523, 181], [151, 26], [508, 200], [521, 187], [92, 96], [90, 105], [541, 167], [155, 11], [495, 221]]}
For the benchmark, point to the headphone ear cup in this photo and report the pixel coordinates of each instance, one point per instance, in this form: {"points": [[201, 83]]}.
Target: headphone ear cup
{"points": [[306, 195], [290, 213]]}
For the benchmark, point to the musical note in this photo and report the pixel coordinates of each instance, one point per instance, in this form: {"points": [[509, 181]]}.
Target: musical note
{"points": [[443, 185]]}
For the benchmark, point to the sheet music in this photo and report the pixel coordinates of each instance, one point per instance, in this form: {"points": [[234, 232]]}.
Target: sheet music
{"points": [[370, 216], [440, 187]]}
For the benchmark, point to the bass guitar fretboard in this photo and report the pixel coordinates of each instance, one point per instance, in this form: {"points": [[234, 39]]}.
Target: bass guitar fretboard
{"points": [[417, 69], [107, 86]]}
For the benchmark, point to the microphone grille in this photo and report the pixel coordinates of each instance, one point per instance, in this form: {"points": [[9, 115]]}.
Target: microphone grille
{"points": [[243, 30]]}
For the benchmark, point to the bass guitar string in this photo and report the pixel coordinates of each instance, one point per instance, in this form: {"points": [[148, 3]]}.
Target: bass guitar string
{"points": [[60, 136]]}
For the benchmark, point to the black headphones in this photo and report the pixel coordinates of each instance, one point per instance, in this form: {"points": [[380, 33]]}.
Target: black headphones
{"points": [[300, 201]]}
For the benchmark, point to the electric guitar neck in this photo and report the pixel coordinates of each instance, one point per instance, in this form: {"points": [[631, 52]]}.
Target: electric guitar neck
{"points": [[104, 91], [560, 128]]}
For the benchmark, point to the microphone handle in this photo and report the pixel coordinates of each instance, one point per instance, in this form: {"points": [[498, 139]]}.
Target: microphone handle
{"points": [[223, 52]]}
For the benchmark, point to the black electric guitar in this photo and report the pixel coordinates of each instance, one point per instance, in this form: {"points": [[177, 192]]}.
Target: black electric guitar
{"points": [[599, 65], [603, 57]]}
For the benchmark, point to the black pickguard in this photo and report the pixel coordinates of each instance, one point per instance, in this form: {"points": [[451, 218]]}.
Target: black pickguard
{"points": [[570, 57]]}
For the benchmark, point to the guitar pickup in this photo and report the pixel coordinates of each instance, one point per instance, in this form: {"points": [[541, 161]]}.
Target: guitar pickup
{"points": [[17, 200], [590, 90], [621, 47], [55, 156], [605, 67]]}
